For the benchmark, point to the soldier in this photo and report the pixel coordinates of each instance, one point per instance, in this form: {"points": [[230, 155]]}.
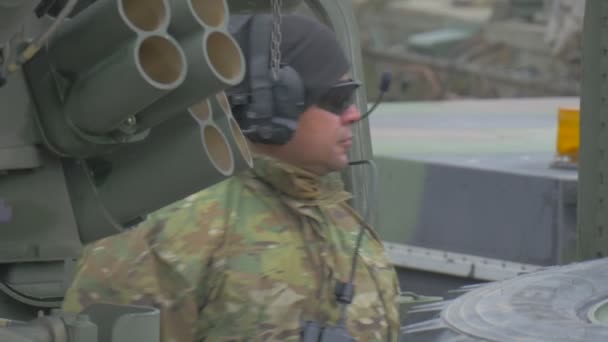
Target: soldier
{"points": [[269, 254]]}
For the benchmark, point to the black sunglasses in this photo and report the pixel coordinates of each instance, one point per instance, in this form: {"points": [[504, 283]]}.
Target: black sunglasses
{"points": [[339, 97]]}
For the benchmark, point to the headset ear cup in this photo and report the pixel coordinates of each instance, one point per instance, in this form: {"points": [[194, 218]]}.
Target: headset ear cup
{"points": [[288, 102], [273, 107], [289, 94]]}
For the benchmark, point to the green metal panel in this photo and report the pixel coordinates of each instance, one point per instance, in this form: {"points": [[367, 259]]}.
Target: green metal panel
{"points": [[17, 130], [80, 44], [402, 187], [10, 307], [118, 323], [593, 165], [41, 225]]}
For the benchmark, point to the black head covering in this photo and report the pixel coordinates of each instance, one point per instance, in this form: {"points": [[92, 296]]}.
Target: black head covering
{"points": [[307, 45]]}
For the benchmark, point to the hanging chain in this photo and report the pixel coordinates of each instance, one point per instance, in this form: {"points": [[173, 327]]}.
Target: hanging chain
{"points": [[275, 45]]}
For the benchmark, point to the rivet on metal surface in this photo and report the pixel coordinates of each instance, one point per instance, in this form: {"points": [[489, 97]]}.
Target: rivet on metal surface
{"points": [[130, 121]]}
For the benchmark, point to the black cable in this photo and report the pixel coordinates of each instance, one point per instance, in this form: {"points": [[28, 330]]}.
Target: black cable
{"points": [[385, 83], [348, 289], [345, 293], [378, 100]]}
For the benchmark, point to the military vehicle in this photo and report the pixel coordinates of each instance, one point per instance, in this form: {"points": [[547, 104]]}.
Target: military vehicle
{"points": [[112, 109]]}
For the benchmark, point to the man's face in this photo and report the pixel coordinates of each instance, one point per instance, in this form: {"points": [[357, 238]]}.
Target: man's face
{"points": [[323, 137]]}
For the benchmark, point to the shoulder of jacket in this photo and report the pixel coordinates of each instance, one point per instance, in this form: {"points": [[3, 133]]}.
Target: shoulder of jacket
{"points": [[240, 192], [223, 193]]}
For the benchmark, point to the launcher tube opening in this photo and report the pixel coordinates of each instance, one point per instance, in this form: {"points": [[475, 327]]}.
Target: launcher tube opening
{"points": [[217, 148], [161, 60], [211, 13], [235, 129], [224, 55], [201, 111], [146, 15]]}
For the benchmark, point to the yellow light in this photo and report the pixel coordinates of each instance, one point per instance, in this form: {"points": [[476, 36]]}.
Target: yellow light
{"points": [[568, 134]]}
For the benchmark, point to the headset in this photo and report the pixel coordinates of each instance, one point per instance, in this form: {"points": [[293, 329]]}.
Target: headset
{"points": [[268, 108]]}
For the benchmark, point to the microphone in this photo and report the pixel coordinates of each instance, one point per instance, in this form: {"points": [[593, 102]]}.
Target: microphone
{"points": [[385, 83]]}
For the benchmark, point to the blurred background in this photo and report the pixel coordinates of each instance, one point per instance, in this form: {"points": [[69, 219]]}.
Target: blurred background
{"points": [[477, 139], [453, 49]]}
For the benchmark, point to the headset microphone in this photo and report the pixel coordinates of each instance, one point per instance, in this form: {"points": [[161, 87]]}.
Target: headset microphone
{"points": [[385, 83]]}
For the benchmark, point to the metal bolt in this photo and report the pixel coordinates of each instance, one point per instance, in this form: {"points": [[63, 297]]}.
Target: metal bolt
{"points": [[130, 121]]}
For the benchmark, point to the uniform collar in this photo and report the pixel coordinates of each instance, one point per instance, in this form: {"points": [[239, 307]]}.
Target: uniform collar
{"points": [[299, 184]]}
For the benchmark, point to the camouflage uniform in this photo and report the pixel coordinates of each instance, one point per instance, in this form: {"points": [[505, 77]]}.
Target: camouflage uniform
{"points": [[250, 259]]}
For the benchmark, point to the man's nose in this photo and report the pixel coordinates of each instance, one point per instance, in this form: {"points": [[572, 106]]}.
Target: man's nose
{"points": [[350, 115]]}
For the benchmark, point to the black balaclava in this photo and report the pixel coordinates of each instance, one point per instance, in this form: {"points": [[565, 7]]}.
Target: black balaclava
{"points": [[308, 46]]}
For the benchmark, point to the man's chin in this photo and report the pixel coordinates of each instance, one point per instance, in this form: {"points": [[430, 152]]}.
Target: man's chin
{"points": [[341, 163]]}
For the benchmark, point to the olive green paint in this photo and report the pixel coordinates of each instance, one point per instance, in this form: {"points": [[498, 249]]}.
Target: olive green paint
{"points": [[80, 44], [17, 128], [593, 164], [401, 188], [97, 114], [203, 80]]}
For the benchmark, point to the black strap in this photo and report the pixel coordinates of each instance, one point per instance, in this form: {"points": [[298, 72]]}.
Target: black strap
{"points": [[260, 79]]}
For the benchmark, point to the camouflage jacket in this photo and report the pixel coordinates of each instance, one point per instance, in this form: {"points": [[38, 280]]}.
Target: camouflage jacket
{"points": [[248, 259]]}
